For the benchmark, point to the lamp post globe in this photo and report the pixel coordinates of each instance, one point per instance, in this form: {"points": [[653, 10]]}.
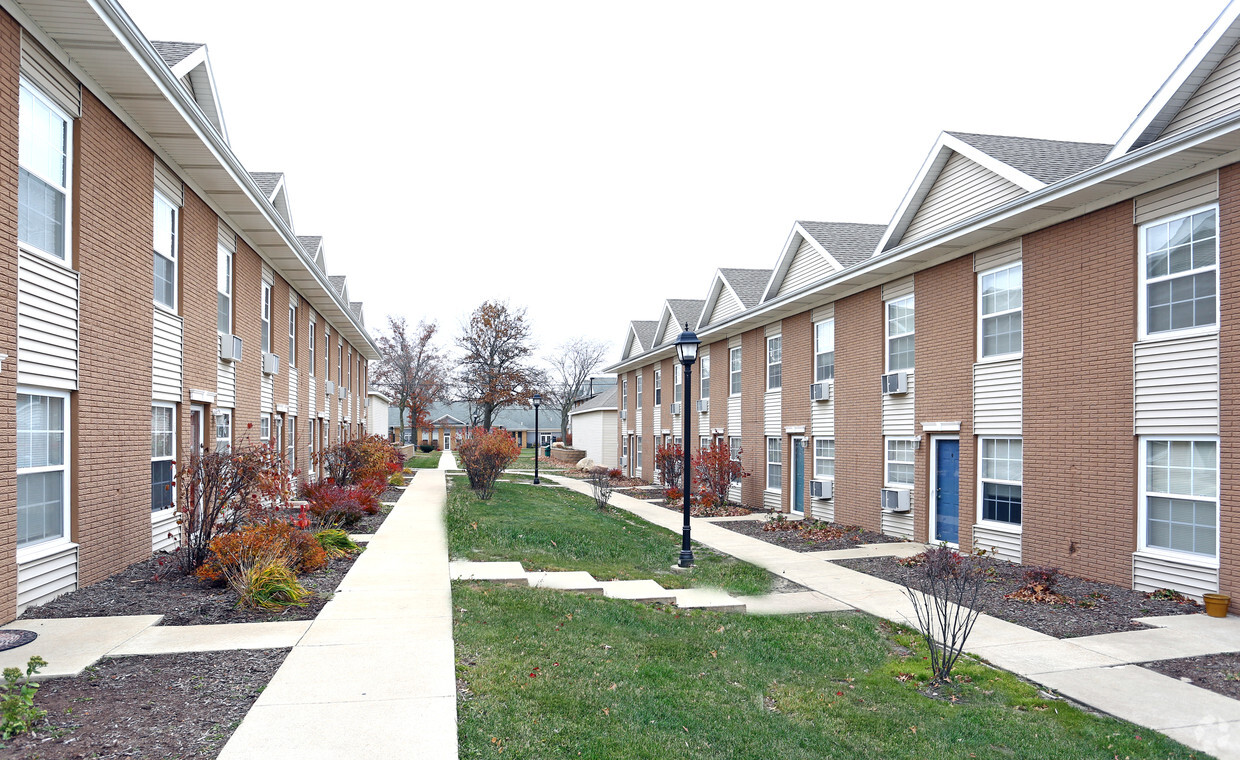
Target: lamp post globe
{"points": [[536, 399], [687, 344]]}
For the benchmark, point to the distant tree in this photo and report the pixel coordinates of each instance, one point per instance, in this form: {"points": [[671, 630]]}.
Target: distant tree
{"points": [[495, 372], [412, 370], [571, 368]]}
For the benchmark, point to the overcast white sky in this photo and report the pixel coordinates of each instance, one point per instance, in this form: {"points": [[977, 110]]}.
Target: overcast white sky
{"points": [[588, 160]]}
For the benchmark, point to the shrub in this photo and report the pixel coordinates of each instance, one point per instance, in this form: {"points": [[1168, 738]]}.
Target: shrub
{"points": [[600, 483], [270, 586], [234, 554], [615, 473], [368, 461], [673, 494], [397, 480], [426, 448], [17, 700], [669, 463], [944, 589], [484, 455], [336, 506], [336, 543], [1040, 587], [716, 470]]}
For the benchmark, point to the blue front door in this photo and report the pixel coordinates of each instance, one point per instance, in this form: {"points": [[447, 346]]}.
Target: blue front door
{"points": [[947, 490], [798, 476]]}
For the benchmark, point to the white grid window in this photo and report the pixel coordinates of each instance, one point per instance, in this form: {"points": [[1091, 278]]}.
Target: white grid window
{"points": [[824, 350], [327, 352], [310, 344], [43, 157], [223, 431], [706, 376], [291, 441], [292, 336], [658, 387], [1181, 496], [224, 289], [264, 428], [265, 319], [638, 464], [163, 452], [42, 467], [1001, 474], [164, 246], [774, 362], [734, 359], [1180, 273], [824, 458], [774, 463], [639, 390], [900, 334], [1001, 304], [734, 448], [901, 454], [678, 391], [624, 394]]}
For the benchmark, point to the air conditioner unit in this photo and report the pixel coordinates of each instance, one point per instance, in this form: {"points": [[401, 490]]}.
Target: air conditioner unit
{"points": [[822, 489], [271, 364], [624, 461], [675, 409], [703, 405], [820, 391], [230, 348], [341, 391], [895, 383], [896, 500], [624, 414], [329, 387]]}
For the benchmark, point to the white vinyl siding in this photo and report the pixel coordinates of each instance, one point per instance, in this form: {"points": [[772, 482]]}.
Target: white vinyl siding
{"points": [[46, 573], [1001, 308], [899, 462], [899, 413], [734, 371], [44, 168], [1000, 475], [292, 393], [1182, 196], [774, 362], [1179, 274], [808, 266], [671, 331], [824, 350], [726, 305], [900, 324], [1001, 541], [166, 357], [997, 393], [1180, 496], [42, 467], [1217, 95], [164, 247], [1176, 386], [47, 323], [774, 463], [963, 188]]}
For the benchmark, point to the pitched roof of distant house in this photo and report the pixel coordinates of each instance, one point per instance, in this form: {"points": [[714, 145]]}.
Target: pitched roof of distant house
{"points": [[602, 401]]}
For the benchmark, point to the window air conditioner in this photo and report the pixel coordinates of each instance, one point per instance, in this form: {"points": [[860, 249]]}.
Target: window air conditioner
{"points": [[271, 364], [820, 391], [822, 489], [675, 409], [703, 405], [624, 414], [329, 387], [895, 383], [896, 500], [624, 461], [230, 348], [340, 392]]}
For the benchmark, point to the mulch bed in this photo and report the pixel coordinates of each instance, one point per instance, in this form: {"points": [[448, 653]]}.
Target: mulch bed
{"points": [[820, 536], [645, 494], [159, 706], [1092, 607], [726, 510], [1220, 673]]}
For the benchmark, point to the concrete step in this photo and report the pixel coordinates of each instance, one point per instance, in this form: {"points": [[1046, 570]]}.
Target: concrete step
{"points": [[638, 591], [708, 599], [566, 581], [500, 572]]}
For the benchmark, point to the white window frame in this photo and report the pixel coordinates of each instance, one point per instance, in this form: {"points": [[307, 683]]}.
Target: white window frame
{"points": [[1143, 282], [658, 387], [216, 416], [290, 441], [172, 448], [678, 383], [624, 393], [982, 480], [734, 371], [888, 461], [348, 375], [734, 452], [704, 383], [775, 467], [639, 391], [823, 459], [637, 442], [173, 258], [55, 543], [264, 428], [775, 362], [225, 275], [310, 346], [824, 332], [1143, 493], [66, 188], [292, 335], [982, 316], [339, 362], [327, 351], [264, 318], [889, 336]]}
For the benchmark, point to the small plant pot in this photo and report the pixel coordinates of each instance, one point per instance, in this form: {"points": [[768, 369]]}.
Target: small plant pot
{"points": [[1216, 604]]}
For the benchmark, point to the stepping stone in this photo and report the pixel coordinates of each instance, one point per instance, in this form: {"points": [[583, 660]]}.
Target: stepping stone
{"points": [[798, 602], [566, 581], [500, 572], [708, 599], [638, 591]]}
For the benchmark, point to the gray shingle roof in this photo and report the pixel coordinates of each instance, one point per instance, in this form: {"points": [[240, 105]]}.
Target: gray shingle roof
{"points": [[645, 333], [174, 52], [685, 310], [267, 181], [337, 281], [511, 418], [1045, 160], [356, 308], [604, 400], [849, 243], [749, 284]]}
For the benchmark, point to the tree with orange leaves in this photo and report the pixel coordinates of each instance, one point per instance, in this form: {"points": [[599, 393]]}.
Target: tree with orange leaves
{"points": [[495, 372]]}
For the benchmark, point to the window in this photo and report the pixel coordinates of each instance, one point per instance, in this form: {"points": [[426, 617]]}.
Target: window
{"points": [[291, 441], [706, 376], [624, 393], [734, 448], [900, 457], [265, 319], [310, 344], [734, 383], [1181, 496], [223, 430], [824, 350], [639, 390], [43, 173], [264, 428], [774, 362], [1180, 273], [678, 390], [223, 287], [349, 377], [824, 458], [327, 353], [774, 466], [1001, 300], [339, 363], [292, 336], [658, 387], [638, 442], [1001, 476], [624, 447], [163, 452], [312, 430], [42, 471], [164, 245], [900, 334]]}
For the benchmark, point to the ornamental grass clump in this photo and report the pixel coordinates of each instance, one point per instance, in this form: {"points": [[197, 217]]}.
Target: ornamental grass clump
{"points": [[336, 543], [944, 590], [233, 555], [269, 586]]}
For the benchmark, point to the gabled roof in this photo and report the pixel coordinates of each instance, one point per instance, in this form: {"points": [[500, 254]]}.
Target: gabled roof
{"points": [[677, 312], [1183, 83], [175, 52], [603, 401], [731, 292], [509, 418], [192, 67], [341, 287], [839, 244], [748, 284], [1045, 160], [313, 244], [273, 185], [640, 338], [356, 308]]}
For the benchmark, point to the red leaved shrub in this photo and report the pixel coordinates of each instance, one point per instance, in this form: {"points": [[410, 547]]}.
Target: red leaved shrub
{"points": [[484, 455], [333, 505], [269, 543]]}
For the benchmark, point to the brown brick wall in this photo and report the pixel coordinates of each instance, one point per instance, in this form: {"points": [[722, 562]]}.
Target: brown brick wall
{"points": [[797, 375], [946, 339], [200, 352], [858, 408], [753, 416], [1079, 452], [113, 187], [10, 57], [1229, 356]]}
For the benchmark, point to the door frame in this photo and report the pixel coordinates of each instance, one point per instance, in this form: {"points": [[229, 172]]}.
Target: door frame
{"points": [[798, 476], [199, 411], [934, 488]]}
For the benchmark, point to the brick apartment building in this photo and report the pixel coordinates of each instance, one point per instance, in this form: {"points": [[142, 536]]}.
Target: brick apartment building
{"points": [[1031, 358], [152, 278]]}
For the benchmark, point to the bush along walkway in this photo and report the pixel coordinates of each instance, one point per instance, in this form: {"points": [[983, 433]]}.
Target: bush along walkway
{"points": [[1099, 671]]}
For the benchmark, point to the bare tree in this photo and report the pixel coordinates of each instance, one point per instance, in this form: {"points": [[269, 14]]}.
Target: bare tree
{"points": [[412, 369], [571, 368], [495, 372]]}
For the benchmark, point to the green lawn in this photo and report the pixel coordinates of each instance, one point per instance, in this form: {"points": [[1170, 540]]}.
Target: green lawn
{"points": [[424, 461], [554, 674], [526, 461], [557, 529]]}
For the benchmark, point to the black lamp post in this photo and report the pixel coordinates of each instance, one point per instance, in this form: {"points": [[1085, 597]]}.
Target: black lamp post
{"points": [[537, 399], [687, 349]]}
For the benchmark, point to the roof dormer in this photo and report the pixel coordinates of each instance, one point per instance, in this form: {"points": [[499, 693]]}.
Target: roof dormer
{"points": [[732, 291], [639, 339], [313, 245], [275, 190], [815, 250], [677, 312], [192, 68]]}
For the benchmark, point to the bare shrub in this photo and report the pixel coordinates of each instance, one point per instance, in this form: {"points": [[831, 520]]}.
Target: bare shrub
{"points": [[600, 481], [944, 589]]}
